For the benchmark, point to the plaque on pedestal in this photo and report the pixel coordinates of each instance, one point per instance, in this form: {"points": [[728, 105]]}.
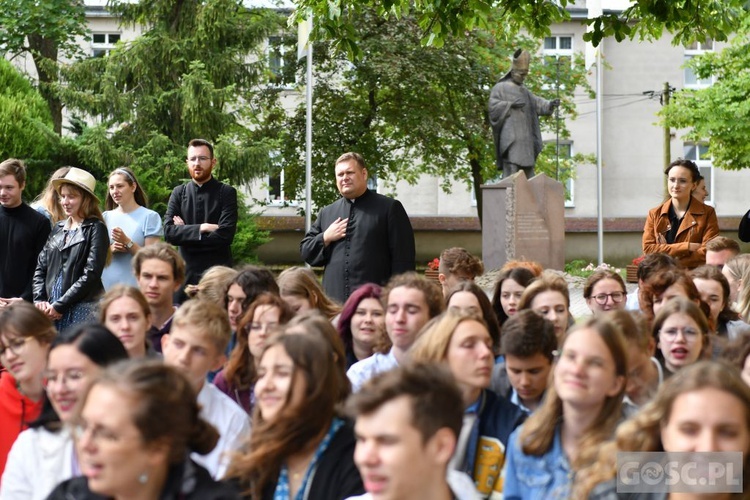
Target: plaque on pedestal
{"points": [[525, 220]]}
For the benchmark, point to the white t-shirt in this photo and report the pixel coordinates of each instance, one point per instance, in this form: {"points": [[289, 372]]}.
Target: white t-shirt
{"points": [[230, 420]]}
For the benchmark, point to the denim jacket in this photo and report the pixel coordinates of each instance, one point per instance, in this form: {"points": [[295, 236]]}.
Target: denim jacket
{"points": [[529, 477]]}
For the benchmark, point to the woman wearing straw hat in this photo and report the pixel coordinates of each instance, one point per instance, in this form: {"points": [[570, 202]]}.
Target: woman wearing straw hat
{"points": [[68, 277]]}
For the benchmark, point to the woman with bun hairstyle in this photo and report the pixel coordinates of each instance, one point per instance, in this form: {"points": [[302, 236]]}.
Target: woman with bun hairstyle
{"points": [[682, 225], [138, 423], [43, 455], [68, 277], [130, 223]]}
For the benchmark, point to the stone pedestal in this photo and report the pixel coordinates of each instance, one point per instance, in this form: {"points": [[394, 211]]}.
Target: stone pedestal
{"points": [[525, 220]]}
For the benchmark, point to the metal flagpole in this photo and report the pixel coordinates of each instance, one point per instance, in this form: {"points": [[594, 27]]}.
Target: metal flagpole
{"points": [[599, 219], [308, 133]]}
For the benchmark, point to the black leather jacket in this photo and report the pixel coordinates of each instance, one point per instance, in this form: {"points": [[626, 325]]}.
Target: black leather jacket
{"points": [[82, 259], [187, 481]]}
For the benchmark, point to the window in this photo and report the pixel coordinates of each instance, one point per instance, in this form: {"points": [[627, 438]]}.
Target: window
{"points": [[698, 152], [102, 43], [697, 49], [281, 62], [558, 57], [276, 195]]}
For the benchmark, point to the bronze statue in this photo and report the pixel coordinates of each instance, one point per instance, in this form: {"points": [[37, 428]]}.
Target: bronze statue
{"points": [[514, 116]]}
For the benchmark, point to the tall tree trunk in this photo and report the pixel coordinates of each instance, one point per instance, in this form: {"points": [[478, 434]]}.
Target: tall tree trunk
{"points": [[44, 53]]}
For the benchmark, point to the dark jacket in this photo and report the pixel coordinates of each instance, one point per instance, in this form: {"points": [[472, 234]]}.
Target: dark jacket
{"points": [[336, 477], [23, 234], [186, 481], [82, 260], [379, 243], [498, 418], [214, 202]]}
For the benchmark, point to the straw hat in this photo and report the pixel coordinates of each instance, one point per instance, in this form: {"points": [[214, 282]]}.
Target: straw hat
{"points": [[77, 177]]}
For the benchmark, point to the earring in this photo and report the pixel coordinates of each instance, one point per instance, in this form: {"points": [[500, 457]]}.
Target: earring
{"points": [[143, 478]]}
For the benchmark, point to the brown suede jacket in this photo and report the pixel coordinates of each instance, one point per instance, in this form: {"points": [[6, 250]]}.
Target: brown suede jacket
{"points": [[698, 226]]}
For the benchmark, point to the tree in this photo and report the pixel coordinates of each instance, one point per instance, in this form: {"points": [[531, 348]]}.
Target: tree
{"points": [[413, 110], [186, 76], [719, 113], [44, 30], [439, 20], [25, 123]]}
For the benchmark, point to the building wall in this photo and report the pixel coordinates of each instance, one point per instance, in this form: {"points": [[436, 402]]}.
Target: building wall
{"points": [[632, 140]]}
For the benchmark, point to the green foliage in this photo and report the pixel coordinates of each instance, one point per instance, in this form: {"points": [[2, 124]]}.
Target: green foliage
{"points": [[248, 237], [25, 123], [43, 29], [188, 75], [412, 110], [719, 113], [58, 20], [584, 269], [439, 20]]}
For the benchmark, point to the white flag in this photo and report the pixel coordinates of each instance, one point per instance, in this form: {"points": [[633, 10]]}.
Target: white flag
{"points": [[303, 36]]}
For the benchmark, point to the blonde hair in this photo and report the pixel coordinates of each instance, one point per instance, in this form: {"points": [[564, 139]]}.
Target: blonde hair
{"points": [[548, 281], [213, 285], [49, 199], [118, 292], [643, 431], [435, 338], [302, 282], [538, 432], [739, 267], [211, 319]]}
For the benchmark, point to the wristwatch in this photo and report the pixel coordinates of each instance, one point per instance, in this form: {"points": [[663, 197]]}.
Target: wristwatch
{"points": [[129, 244]]}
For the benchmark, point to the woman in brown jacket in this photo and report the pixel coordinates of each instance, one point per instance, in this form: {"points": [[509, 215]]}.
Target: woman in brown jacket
{"points": [[682, 225]]}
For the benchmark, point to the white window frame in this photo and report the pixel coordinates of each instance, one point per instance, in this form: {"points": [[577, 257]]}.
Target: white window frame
{"points": [[705, 165], [557, 53], [102, 49], [281, 200], [696, 49], [271, 43]]}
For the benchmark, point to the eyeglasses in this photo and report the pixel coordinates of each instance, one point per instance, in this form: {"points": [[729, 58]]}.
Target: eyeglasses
{"points": [[687, 332], [617, 297], [14, 345], [68, 378], [196, 159], [96, 433]]}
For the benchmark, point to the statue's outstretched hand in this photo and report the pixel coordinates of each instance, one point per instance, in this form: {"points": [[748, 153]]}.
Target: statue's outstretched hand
{"points": [[554, 103]]}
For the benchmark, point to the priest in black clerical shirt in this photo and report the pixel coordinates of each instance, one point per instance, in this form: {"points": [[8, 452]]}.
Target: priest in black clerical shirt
{"points": [[364, 237]]}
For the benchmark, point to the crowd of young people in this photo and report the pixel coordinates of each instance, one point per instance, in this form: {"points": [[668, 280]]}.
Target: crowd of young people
{"points": [[263, 387]]}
